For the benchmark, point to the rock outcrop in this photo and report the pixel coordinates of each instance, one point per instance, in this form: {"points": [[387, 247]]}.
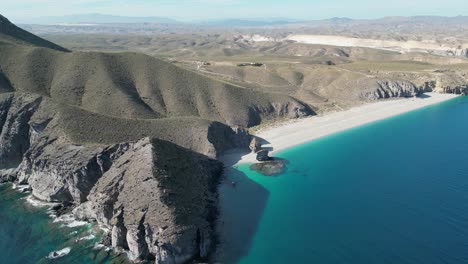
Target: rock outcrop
{"points": [[171, 222], [462, 52], [272, 167], [255, 145], [287, 110], [458, 89], [262, 155], [394, 88]]}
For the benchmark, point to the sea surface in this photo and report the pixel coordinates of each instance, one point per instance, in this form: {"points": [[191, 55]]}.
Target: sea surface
{"points": [[394, 191], [28, 234]]}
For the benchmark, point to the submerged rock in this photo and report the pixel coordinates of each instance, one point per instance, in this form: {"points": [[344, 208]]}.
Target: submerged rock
{"points": [[272, 167]]}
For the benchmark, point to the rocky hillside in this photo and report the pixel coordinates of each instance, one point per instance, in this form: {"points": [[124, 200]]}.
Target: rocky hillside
{"points": [[134, 85], [125, 140]]}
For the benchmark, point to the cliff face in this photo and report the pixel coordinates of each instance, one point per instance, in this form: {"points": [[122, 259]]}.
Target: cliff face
{"points": [[395, 88], [458, 89], [157, 198], [158, 201]]}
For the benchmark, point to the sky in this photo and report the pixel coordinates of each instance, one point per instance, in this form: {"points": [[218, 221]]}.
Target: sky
{"points": [[187, 10]]}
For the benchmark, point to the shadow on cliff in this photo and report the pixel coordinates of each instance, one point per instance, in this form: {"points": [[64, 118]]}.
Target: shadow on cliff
{"points": [[241, 207]]}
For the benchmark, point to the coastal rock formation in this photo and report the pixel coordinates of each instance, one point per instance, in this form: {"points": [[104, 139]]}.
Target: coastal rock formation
{"points": [[262, 155], [159, 199], [458, 89], [172, 221], [15, 114], [394, 88], [255, 145]]}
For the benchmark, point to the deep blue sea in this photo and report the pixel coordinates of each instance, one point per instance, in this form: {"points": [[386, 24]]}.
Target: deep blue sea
{"points": [[394, 191]]}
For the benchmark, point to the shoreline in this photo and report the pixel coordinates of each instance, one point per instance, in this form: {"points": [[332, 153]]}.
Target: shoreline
{"points": [[297, 132]]}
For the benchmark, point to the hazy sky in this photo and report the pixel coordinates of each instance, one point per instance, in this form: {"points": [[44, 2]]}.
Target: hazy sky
{"points": [[215, 9]]}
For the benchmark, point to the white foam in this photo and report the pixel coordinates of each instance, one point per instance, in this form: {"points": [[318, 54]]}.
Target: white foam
{"points": [[77, 223], [89, 237], [69, 221], [20, 188], [59, 253], [99, 246], [36, 203], [104, 229]]}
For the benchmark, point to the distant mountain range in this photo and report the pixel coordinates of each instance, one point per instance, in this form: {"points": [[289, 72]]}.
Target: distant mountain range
{"points": [[112, 19], [96, 19], [234, 22], [254, 22]]}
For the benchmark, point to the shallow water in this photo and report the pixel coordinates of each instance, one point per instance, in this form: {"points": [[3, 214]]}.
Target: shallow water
{"points": [[395, 191], [29, 235]]}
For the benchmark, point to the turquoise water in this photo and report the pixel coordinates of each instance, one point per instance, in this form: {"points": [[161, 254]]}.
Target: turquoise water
{"points": [[395, 191], [29, 235]]}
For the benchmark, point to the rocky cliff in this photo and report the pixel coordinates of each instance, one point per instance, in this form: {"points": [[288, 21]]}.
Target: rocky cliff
{"points": [[395, 88], [157, 198], [455, 89]]}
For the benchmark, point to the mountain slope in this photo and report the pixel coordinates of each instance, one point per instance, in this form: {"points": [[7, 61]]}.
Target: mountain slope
{"points": [[11, 33], [134, 85]]}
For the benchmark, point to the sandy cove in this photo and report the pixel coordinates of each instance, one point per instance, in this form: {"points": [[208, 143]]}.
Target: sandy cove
{"points": [[297, 132]]}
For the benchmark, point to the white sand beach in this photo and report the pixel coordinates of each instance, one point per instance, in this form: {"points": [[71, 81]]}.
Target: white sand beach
{"points": [[296, 132]]}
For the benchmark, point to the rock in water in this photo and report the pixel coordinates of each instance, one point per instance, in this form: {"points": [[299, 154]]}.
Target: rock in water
{"points": [[262, 155], [273, 167]]}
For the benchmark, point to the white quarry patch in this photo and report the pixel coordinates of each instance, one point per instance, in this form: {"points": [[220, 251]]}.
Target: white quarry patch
{"points": [[392, 45], [59, 253], [259, 38]]}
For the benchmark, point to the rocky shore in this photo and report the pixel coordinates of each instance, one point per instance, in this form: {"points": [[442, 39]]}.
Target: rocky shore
{"points": [[157, 199]]}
